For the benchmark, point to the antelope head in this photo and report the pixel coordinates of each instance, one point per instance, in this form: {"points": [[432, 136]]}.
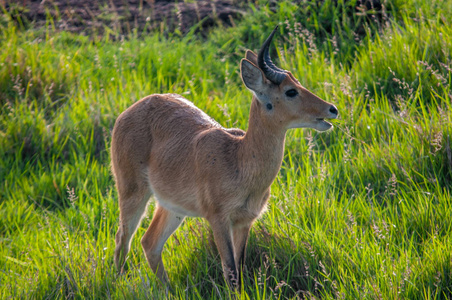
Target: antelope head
{"points": [[283, 100]]}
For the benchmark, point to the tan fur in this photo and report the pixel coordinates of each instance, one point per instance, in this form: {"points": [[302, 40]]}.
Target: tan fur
{"points": [[164, 145]]}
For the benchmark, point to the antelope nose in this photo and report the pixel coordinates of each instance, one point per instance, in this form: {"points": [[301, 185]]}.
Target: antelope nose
{"points": [[333, 110]]}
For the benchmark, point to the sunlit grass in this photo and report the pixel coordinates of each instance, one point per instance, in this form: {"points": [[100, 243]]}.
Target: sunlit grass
{"points": [[360, 212]]}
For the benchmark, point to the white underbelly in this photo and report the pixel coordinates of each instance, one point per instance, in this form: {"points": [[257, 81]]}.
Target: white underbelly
{"points": [[176, 208]]}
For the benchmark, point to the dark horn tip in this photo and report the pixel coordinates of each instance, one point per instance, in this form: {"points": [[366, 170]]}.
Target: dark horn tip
{"points": [[273, 73], [269, 39]]}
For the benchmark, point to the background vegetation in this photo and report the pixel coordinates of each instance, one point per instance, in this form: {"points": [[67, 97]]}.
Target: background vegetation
{"points": [[361, 212]]}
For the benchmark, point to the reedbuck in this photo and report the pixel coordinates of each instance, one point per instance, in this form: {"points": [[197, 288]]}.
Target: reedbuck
{"points": [[165, 146]]}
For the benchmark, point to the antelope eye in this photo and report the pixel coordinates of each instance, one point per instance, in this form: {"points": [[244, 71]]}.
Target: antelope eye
{"points": [[291, 93]]}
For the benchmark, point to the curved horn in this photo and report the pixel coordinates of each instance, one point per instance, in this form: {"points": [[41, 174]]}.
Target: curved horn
{"points": [[272, 72]]}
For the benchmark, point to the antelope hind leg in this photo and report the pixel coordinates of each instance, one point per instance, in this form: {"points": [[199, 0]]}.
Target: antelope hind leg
{"points": [[163, 224], [132, 208]]}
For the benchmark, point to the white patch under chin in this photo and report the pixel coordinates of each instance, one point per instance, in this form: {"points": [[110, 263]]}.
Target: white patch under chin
{"points": [[299, 125], [321, 126]]}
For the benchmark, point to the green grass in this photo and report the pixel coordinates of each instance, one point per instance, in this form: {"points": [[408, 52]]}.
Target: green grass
{"points": [[361, 212]]}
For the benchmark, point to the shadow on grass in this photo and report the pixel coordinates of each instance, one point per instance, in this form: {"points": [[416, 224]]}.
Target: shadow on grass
{"points": [[274, 265]]}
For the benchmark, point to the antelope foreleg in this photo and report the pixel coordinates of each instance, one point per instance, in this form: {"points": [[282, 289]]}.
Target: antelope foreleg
{"points": [[240, 236], [223, 240]]}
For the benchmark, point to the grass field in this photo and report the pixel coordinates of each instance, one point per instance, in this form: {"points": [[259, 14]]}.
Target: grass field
{"points": [[363, 211]]}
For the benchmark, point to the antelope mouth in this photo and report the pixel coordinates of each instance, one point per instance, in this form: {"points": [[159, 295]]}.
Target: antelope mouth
{"points": [[323, 124], [322, 120]]}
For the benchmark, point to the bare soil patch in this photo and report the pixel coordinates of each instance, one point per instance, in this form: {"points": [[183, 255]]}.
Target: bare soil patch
{"points": [[123, 16]]}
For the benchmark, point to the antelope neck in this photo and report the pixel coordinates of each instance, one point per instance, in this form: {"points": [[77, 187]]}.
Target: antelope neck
{"points": [[262, 146]]}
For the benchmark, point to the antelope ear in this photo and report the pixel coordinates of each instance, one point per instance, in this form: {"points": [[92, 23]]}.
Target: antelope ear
{"points": [[254, 80], [252, 76], [251, 56]]}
